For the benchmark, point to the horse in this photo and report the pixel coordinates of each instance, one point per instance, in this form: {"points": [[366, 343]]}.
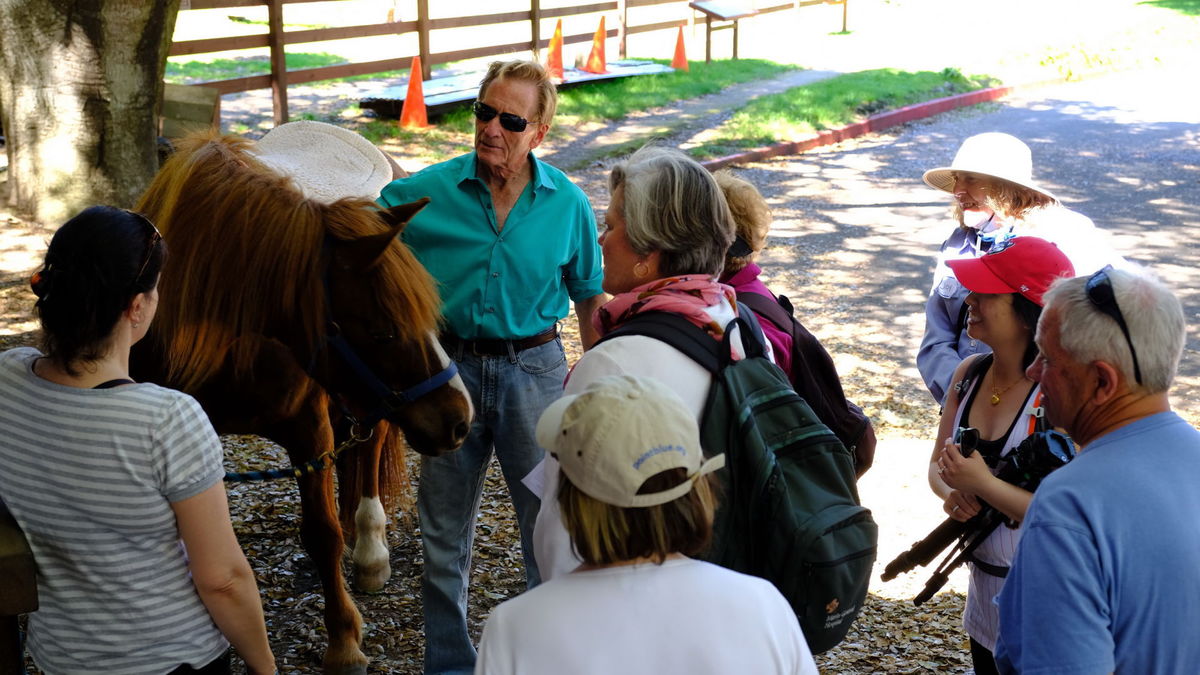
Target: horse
{"points": [[309, 324]]}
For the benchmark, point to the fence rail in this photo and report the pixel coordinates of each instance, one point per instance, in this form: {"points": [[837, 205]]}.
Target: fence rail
{"points": [[275, 39]]}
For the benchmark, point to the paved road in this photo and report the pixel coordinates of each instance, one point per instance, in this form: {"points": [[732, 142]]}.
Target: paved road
{"points": [[856, 229], [856, 219]]}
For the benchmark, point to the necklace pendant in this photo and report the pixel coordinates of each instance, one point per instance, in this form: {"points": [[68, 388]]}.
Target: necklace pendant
{"points": [[995, 399]]}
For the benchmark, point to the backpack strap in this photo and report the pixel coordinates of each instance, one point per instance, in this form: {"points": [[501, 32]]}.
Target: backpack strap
{"points": [[979, 365], [771, 310], [1039, 422], [676, 331], [693, 341], [815, 376], [754, 341]]}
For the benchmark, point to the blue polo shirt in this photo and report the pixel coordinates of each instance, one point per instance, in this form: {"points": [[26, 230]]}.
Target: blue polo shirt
{"points": [[501, 284]]}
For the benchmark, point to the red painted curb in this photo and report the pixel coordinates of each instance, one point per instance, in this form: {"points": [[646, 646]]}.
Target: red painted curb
{"points": [[873, 123]]}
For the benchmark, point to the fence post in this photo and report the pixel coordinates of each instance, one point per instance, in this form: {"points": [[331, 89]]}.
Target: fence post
{"points": [[423, 38], [535, 28], [622, 18], [845, 10], [279, 103]]}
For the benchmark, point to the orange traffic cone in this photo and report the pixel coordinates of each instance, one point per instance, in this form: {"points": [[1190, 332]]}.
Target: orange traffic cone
{"points": [[554, 54], [412, 115], [680, 60], [595, 60]]}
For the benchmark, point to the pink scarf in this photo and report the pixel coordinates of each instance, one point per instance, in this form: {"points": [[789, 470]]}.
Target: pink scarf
{"points": [[686, 295]]}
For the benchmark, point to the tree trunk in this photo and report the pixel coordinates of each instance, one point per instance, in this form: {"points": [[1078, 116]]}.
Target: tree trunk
{"points": [[80, 85]]}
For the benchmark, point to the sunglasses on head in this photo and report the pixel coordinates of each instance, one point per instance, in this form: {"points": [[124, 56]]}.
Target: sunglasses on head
{"points": [[508, 121], [155, 237], [1100, 292]]}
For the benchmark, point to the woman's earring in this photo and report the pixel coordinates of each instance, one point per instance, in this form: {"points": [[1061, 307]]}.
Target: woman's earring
{"points": [[640, 270]]}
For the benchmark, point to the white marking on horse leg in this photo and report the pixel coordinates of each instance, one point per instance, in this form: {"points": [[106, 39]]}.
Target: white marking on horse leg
{"points": [[456, 381], [371, 565]]}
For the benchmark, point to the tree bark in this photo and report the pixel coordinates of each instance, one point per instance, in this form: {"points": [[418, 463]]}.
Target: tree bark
{"points": [[80, 85]]}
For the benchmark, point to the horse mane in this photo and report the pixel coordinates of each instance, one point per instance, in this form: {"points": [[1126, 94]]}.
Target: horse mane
{"points": [[245, 250]]}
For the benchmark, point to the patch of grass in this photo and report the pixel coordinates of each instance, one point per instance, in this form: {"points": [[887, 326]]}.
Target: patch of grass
{"points": [[614, 99], [832, 103], [606, 100], [194, 72], [1187, 7], [197, 72], [262, 22]]}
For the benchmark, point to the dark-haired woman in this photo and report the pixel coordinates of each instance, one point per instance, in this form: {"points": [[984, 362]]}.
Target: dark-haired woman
{"points": [[118, 485], [994, 396]]}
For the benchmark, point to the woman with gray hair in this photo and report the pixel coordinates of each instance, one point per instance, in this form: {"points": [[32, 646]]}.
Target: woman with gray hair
{"points": [[667, 230]]}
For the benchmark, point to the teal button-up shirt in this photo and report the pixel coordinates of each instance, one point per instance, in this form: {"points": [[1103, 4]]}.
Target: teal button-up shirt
{"points": [[501, 284]]}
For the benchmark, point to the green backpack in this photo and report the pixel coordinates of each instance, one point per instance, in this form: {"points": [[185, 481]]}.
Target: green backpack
{"points": [[789, 511]]}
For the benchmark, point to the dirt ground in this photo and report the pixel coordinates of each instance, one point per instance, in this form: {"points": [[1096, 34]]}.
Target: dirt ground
{"points": [[852, 245], [891, 636]]}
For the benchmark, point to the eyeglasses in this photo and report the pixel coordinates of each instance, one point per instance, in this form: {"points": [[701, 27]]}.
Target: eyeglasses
{"points": [[155, 237], [510, 122], [1100, 292]]}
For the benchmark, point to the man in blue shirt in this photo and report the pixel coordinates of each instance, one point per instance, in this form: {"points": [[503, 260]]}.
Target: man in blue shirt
{"points": [[1107, 574], [510, 241]]}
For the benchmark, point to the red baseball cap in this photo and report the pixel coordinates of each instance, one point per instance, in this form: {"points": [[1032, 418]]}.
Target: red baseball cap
{"points": [[1025, 265]]}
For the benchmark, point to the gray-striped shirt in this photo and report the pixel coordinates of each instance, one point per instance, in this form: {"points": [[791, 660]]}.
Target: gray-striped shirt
{"points": [[90, 475]]}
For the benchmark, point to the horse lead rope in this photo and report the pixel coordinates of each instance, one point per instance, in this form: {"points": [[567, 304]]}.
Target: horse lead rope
{"points": [[320, 463]]}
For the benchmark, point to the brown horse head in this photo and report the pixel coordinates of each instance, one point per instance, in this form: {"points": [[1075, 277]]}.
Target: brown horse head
{"points": [[254, 263], [370, 311]]}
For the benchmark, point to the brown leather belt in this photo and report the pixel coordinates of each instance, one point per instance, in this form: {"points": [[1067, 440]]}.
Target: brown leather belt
{"points": [[485, 347]]}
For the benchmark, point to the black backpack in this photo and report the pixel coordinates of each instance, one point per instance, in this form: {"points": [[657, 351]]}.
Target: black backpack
{"points": [[789, 511], [816, 379]]}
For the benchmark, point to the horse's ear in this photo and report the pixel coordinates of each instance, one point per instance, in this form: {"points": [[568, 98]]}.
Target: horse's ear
{"points": [[361, 253], [398, 216]]}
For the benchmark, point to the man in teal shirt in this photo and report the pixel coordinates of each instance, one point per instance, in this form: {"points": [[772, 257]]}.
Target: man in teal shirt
{"points": [[510, 241]]}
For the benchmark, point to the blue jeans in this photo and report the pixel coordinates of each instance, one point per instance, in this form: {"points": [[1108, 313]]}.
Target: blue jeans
{"points": [[509, 394]]}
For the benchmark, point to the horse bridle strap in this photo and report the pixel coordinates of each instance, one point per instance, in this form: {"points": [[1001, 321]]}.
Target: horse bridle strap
{"points": [[390, 400]]}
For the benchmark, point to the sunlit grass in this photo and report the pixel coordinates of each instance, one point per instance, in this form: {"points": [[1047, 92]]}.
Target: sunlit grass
{"points": [[614, 99], [597, 102], [211, 70], [832, 103]]}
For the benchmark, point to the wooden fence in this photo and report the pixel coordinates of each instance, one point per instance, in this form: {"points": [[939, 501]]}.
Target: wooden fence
{"points": [[276, 38]]}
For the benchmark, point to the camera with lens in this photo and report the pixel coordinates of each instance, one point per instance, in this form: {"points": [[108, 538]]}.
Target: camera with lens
{"points": [[1028, 463]]}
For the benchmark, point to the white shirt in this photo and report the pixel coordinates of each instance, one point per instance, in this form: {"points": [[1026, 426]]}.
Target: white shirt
{"points": [[684, 616], [627, 355]]}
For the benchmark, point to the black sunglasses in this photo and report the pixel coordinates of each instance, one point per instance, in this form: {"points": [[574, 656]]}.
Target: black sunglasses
{"points": [[1100, 292], [510, 122], [155, 237]]}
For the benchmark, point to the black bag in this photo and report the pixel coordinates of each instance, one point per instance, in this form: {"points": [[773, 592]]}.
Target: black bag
{"points": [[790, 511], [815, 378]]}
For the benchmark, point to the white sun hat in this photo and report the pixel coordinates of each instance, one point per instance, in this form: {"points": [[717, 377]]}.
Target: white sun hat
{"points": [[994, 154], [326, 162], [620, 431]]}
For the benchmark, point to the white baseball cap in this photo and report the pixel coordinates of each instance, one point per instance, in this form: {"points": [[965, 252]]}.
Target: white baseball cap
{"points": [[326, 162], [620, 431]]}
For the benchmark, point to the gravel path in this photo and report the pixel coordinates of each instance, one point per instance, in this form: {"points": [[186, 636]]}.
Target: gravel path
{"points": [[852, 245]]}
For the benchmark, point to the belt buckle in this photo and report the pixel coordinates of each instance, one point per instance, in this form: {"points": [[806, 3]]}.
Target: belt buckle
{"points": [[475, 348]]}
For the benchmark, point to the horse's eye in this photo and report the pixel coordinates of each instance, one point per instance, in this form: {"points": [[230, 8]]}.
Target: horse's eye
{"points": [[383, 335]]}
